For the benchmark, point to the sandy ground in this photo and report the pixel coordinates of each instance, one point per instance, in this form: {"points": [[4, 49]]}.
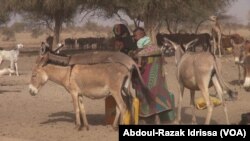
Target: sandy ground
{"points": [[49, 115]]}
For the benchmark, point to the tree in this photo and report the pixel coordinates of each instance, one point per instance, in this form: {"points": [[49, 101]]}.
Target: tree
{"points": [[51, 13], [4, 13], [173, 13], [55, 12]]}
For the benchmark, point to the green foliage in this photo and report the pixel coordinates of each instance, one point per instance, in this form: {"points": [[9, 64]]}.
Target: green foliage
{"points": [[4, 18], [49, 13], [172, 13], [4, 13]]}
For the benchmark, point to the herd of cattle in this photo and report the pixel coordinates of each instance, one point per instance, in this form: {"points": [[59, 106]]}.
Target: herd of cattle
{"points": [[203, 40], [87, 43], [102, 43]]}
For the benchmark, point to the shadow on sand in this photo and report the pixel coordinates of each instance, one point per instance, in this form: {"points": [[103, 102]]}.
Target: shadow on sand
{"points": [[236, 82], [187, 118], [6, 91], [93, 119]]}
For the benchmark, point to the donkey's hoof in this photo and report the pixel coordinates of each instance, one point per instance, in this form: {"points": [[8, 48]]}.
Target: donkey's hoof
{"points": [[78, 127], [194, 123], [86, 127], [176, 122], [115, 128]]}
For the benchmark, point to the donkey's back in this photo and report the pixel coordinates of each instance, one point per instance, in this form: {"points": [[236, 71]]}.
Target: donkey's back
{"points": [[195, 68], [100, 80]]}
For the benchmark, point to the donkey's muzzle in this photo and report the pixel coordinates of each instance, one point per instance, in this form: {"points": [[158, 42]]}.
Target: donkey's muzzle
{"points": [[33, 90]]}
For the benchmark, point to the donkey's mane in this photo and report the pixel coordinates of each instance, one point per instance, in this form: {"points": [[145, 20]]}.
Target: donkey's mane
{"points": [[58, 59]]}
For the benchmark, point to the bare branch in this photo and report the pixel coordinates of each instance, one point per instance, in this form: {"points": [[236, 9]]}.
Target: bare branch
{"points": [[47, 23], [87, 12]]}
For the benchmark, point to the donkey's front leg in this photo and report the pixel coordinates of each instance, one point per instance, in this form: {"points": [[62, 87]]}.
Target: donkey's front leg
{"points": [[117, 115], [77, 110], [83, 112]]}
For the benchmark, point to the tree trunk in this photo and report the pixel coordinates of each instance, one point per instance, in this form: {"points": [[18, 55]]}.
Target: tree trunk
{"points": [[57, 30], [151, 29]]}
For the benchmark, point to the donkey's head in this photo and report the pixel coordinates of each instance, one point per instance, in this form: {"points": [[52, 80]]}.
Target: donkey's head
{"points": [[238, 51], [39, 77]]}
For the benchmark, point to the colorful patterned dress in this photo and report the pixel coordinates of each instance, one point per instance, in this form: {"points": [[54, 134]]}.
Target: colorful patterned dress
{"points": [[159, 100]]}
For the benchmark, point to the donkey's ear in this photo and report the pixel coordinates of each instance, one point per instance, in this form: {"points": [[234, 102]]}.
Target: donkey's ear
{"points": [[167, 42], [43, 49], [42, 60], [186, 46]]}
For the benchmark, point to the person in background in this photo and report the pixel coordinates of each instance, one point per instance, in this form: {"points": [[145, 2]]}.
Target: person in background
{"points": [[123, 40], [158, 104]]}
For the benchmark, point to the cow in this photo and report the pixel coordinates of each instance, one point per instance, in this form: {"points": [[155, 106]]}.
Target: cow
{"points": [[226, 41], [70, 43]]}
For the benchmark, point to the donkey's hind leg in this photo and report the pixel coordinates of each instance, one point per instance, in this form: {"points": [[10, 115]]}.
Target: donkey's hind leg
{"points": [[220, 92], [121, 105], [209, 104], [192, 103], [178, 116]]}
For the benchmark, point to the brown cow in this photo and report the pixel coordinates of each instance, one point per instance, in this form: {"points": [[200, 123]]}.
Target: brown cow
{"points": [[226, 40]]}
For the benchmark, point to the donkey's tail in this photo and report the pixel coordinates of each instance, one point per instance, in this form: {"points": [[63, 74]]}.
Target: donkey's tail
{"points": [[232, 94]]}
